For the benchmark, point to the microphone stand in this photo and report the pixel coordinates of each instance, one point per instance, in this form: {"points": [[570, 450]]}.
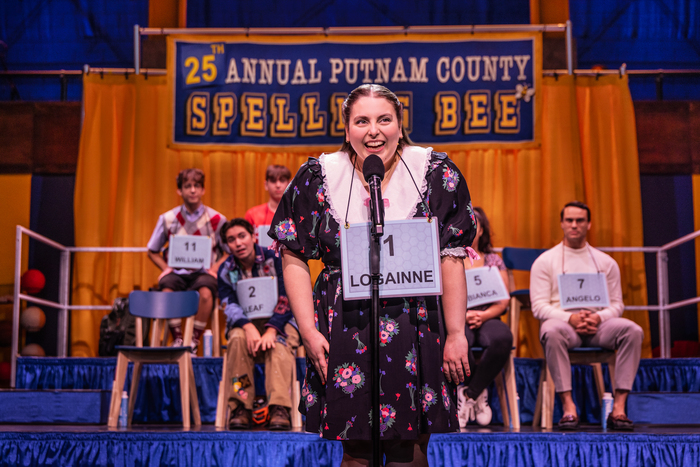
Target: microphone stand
{"points": [[374, 269]]}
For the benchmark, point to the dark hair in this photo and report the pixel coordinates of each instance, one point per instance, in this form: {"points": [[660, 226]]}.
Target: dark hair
{"points": [[195, 174], [374, 90], [277, 172], [238, 221], [575, 204], [484, 245]]}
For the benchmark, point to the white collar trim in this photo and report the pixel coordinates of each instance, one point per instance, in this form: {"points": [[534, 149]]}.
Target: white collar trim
{"points": [[338, 173]]}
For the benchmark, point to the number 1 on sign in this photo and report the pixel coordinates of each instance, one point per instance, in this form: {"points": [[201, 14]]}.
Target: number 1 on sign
{"points": [[390, 241]]}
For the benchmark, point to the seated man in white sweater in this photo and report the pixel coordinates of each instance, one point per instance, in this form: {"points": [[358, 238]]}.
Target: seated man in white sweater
{"points": [[564, 326]]}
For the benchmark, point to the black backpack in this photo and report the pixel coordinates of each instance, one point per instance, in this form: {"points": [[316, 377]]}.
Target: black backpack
{"points": [[118, 328]]}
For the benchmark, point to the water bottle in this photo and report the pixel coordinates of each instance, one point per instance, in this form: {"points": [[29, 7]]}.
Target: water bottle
{"points": [[123, 409], [606, 409], [208, 339]]}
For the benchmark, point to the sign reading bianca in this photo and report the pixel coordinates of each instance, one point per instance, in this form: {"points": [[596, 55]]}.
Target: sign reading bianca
{"points": [[289, 91]]}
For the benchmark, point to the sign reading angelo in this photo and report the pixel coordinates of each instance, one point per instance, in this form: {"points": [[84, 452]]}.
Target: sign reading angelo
{"points": [[277, 90]]}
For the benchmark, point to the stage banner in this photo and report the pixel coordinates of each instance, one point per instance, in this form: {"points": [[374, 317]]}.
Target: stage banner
{"points": [[281, 91]]}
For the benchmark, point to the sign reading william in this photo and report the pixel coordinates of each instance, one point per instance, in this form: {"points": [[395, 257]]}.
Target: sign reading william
{"points": [[288, 91]]}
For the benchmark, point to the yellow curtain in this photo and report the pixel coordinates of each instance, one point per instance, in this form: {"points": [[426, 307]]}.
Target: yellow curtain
{"points": [[126, 178], [611, 177]]}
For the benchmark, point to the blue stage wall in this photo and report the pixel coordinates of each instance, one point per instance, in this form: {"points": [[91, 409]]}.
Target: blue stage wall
{"points": [[159, 396]]}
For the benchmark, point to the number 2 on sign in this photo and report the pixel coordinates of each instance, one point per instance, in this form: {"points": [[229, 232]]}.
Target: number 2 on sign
{"points": [[252, 292]]}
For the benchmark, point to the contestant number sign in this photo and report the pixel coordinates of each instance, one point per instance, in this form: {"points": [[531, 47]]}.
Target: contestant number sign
{"points": [[257, 296], [484, 285], [263, 239], [584, 290], [189, 251], [409, 265]]}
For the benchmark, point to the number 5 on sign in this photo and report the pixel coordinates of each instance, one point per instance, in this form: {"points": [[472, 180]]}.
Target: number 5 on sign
{"points": [[484, 285]]}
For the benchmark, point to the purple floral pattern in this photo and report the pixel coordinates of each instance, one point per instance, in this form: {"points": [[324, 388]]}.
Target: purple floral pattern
{"points": [[308, 396], [428, 397], [445, 397], [348, 377], [286, 230], [388, 329], [386, 419], [411, 361], [450, 178], [422, 310]]}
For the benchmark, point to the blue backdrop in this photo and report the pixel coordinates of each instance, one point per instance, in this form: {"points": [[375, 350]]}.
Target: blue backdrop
{"points": [[55, 34]]}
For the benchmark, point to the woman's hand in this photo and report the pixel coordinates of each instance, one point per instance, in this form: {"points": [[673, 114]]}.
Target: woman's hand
{"points": [[474, 319], [317, 348], [252, 338], [455, 359]]}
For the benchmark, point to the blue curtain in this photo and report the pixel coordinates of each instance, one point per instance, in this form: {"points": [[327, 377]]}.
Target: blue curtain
{"points": [[159, 396], [323, 13], [126, 449]]}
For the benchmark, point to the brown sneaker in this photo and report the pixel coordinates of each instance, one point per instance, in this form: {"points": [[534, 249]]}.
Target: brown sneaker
{"points": [[240, 418], [279, 418]]}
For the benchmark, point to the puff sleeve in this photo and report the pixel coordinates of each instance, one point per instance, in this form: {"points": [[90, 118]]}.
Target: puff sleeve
{"points": [[450, 202], [296, 223]]}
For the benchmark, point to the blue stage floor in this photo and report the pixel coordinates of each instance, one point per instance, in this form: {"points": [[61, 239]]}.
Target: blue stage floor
{"points": [[170, 445]]}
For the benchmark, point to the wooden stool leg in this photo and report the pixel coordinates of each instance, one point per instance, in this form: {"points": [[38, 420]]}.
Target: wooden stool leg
{"points": [[184, 388], [296, 397], [512, 392], [117, 388], [135, 378], [548, 401], [194, 400], [215, 330], [599, 382], [537, 418], [503, 399], [222, 399]]}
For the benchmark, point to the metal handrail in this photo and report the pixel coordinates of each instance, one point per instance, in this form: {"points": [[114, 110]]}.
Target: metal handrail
{"points": [[63, 293], [364, 30], [64, 280], [661, 285]]}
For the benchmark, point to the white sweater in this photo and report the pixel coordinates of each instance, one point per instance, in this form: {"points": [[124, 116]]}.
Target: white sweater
{"points": [[544, 287]]}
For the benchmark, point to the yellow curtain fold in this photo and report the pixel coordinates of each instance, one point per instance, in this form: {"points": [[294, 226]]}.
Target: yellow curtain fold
{"points": [[612, 187], [126, 178]]}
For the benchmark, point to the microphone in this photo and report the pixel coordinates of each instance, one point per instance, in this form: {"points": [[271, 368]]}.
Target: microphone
{"points": [[373, 171]]}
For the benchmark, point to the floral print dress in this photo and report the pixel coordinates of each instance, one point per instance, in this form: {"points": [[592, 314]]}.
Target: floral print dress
{"points": [[415, 398]]}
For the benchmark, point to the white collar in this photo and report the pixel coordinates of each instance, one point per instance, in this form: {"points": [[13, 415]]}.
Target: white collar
{"points": [[401, 191]]}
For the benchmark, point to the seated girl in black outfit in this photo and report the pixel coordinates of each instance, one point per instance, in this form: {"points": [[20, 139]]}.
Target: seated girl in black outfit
{"points": [[484, 329]]}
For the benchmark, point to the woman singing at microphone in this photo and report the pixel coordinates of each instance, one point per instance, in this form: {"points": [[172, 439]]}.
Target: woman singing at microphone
{"points": [[423, 349]]}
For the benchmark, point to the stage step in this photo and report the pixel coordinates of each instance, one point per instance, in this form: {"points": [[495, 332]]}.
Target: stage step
{"points": [[664, 408], [54, 406]]}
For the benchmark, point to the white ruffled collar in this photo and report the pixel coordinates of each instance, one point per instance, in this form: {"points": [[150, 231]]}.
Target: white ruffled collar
{"points": [[401, 191]]}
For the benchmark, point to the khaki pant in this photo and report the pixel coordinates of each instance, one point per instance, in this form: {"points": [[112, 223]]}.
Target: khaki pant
{"points": [[620, 334], [278, 361]]}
